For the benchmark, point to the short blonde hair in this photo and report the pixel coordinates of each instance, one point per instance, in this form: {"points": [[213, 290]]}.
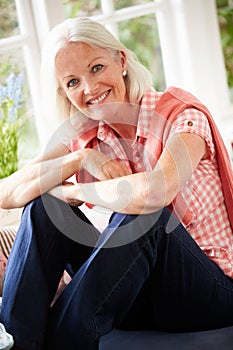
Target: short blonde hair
{"points": [[56, 106]]}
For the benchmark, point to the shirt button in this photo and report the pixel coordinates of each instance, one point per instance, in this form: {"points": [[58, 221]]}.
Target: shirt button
{"points": [[138, 154], [190, 123]]}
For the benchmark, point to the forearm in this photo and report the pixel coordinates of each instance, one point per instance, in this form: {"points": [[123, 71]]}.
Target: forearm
{"points": [[146, 192], [140, 193], [35, 179]]}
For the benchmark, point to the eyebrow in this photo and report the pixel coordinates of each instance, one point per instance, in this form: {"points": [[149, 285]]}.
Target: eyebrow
{"points": [[89, 64], [68, 76], [97, 58]]}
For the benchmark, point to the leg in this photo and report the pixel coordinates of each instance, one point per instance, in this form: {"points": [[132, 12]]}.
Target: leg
{"points": [[194, 293], [186, 291], [38, 258], [183, 286], [102, 291]]}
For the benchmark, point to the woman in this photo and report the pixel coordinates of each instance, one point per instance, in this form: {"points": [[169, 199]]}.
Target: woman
{"points": [[156, 160]]}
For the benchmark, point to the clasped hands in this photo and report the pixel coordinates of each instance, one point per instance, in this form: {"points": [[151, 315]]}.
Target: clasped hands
{"points": [[95, 163]]}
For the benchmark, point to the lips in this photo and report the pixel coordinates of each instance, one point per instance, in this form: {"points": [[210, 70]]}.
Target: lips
{"points": [[99, 99]]}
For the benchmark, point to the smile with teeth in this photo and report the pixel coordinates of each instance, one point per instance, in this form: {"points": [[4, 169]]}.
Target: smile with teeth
{"points": [[100, 98]]}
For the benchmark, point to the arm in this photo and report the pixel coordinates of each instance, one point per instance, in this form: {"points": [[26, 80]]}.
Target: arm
{"points": [[52, 169], [149, 191], [37, 177]]}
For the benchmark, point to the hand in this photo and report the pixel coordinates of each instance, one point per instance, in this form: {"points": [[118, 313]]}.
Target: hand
{"points": [[63, 192], [101, 167]]}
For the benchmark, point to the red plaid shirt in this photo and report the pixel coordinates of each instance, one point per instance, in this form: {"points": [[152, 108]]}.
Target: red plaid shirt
{"points": [[210, 226]]}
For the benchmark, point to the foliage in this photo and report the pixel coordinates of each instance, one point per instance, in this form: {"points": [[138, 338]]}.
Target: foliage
{"points": [[119, 4], [147, 48], [225, 17], [10, 122], [75, 8], [8, 20]]}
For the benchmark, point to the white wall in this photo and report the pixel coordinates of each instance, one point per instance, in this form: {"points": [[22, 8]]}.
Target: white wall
{"points": [[192, 52]]}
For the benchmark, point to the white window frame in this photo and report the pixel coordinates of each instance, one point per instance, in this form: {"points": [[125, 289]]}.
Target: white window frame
{"points": [[27, 40], [190, 44]]}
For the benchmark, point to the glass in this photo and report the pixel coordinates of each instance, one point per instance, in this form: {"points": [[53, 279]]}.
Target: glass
{"points": [[119, 4], [225, 19], [81, 8], [146, 47], [131, 33], [8, 19], [14, 88]]}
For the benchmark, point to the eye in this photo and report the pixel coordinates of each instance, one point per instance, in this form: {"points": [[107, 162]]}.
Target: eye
{"points": [[72, 83], [97, 68]]}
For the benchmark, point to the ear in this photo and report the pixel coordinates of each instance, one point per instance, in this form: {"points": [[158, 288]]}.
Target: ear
{"points": [[123, 60]]}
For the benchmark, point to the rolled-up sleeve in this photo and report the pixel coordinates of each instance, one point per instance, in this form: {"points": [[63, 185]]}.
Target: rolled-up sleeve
{"points": [[195, 122]]}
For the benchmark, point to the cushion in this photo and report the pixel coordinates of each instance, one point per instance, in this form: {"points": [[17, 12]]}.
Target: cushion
{"points": [[219, 339], [7, 236]]}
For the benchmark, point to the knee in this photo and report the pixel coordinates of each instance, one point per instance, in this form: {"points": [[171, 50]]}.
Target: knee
{"points": [[34, 206], [41, 214], [169, 220], [45, 206], [161, 221]]}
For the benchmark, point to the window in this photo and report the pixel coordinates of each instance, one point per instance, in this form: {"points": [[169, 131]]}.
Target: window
{"points": [[9, 20], [16, 58], [225, 18], [129, 20], [178, 40]]}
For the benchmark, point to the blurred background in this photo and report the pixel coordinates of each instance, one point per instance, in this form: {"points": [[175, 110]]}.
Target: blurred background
{"points": [[186, 43]]}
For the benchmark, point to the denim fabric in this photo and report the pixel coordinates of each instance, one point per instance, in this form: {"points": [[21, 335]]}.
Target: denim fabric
{"points": [[141, 272]]}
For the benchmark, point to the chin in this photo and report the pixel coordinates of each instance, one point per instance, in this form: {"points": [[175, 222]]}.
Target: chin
{"points": [[103, 111]]}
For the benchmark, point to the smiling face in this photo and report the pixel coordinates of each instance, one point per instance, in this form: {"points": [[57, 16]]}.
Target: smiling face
{"points": [[91, 76]]}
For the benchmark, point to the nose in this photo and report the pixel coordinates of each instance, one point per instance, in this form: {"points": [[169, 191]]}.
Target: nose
{"points": [[90, 86]]}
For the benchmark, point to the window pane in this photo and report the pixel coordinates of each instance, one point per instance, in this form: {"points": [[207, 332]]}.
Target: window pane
{"points": [[14, 88], [146, 47], [131, 32], [225, 17], [8, 19], [118, 4], [81, 8]]}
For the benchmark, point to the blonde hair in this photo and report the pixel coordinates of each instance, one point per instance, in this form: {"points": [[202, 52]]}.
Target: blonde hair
{"points": [[56, 106]]}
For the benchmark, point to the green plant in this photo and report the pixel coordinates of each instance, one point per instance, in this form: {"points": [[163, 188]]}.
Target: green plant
{"points": [[9, 20], [225, 17], [10, 123]]}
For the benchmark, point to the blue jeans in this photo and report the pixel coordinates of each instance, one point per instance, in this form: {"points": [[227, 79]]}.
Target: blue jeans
{"points": [[142, 272]]}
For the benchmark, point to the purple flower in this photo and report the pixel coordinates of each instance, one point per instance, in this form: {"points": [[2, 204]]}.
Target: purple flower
{"points": [[11, 96]]}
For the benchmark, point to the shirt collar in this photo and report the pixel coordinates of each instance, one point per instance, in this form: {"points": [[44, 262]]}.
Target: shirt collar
{"points": [[146, 113]]}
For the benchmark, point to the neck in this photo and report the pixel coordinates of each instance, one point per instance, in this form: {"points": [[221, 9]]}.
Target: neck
{"points": [[126, 125], [125, 131]]}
